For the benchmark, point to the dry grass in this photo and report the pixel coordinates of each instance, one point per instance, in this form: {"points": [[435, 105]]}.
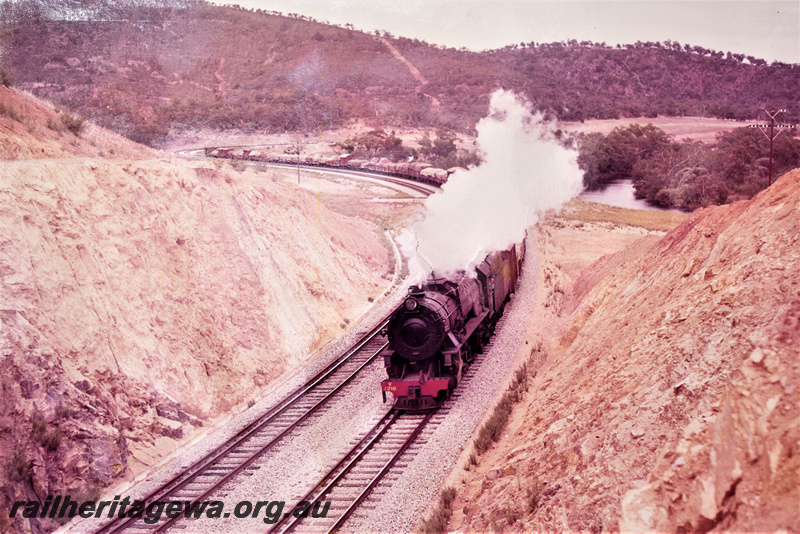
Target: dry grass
{"points": [[533, 493], [10, 112], [493, 427], [472, 460], [582, 211], [438, 520], [18, 467], [39, 432]]}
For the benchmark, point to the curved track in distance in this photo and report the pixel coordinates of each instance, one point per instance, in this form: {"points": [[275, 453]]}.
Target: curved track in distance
{"points": [[424, 189]]}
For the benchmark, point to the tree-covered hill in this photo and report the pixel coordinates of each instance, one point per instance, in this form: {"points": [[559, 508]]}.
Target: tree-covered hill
{"points": [[143, 68]]}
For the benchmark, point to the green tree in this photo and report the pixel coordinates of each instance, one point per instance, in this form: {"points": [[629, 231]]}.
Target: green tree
{"points": [[377, 143], [677, 175], [612, 157], [445, 143]]}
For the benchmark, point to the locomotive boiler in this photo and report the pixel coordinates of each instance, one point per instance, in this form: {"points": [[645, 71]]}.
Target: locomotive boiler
{"points": [[441, 325]]}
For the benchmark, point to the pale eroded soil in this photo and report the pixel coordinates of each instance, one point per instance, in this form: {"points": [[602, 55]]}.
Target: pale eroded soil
{"points": [[143, 297]]}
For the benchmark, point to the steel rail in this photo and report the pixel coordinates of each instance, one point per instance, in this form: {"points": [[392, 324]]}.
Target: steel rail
{"points": [[331, 476], [192, 472], [242, 466], [335, 475], [382, 473]]}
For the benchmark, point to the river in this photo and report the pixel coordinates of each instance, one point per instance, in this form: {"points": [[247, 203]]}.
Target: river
{"points": [[619, 193]]}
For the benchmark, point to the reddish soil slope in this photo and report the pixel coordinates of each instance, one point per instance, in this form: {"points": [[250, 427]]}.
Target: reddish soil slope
{"points": [[671, 399]]}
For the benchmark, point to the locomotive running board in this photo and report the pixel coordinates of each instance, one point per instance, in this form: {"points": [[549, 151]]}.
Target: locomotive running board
{"points": [[473, 323]]}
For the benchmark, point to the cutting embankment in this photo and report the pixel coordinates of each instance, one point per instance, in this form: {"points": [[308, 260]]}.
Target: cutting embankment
{"points": [[665, 394], [143, 298]]}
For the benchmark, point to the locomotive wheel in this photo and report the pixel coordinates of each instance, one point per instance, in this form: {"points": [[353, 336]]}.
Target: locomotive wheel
{"points": [[475, 345], [488, 331]]}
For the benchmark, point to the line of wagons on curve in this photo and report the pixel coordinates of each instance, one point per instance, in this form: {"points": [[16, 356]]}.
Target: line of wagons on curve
{"points": [[415, 170]]}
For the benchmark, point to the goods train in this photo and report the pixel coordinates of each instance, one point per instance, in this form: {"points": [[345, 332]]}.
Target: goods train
{"points": [[440, 326], [417, 170]]}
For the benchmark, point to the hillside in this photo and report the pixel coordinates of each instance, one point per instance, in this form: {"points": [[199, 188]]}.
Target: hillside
{"points": [[147, 72], [578, 81], [667, 396], [142, 299]]}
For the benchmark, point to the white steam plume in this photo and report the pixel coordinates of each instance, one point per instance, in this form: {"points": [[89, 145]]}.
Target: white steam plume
{"points": [[524, 172]]}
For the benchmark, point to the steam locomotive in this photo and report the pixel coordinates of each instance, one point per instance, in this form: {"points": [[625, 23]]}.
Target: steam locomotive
{"points": [[440, 327]]}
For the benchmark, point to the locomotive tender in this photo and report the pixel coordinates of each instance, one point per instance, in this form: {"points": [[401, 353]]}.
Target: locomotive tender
{"points": [[440, 327]]}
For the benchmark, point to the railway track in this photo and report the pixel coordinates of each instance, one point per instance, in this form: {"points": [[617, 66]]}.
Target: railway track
{"points": [[349, 483], [223, 464], [403, 182], [350, 488], [356, 482]]}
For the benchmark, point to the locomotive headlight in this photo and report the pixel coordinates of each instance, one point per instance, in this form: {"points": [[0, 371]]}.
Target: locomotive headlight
{"points": [[410, 304]]}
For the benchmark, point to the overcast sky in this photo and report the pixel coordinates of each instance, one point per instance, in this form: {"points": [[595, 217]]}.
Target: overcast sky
{"points": [[762, 28]]}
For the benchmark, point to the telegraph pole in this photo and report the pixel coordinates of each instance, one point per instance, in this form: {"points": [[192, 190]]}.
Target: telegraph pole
{"points": [[772, 135]]}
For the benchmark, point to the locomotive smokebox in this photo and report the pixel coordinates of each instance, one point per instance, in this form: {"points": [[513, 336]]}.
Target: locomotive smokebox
{"points": [[416, 331]]}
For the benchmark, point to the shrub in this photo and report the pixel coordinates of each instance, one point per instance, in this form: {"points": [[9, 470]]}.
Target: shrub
{"points": [[5, 78], [472, 460], [63, 411], [52, 440], [504, 516], [10, 112], [532, 495], [38, 427], [239, 165], [56, 125], [49, 440], [71, 122], [438, 520], [493, 427], [18, 467]]}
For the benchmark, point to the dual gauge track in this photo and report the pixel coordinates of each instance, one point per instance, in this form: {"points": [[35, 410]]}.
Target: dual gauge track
{"points": [[347, 484], [352, 486]]}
